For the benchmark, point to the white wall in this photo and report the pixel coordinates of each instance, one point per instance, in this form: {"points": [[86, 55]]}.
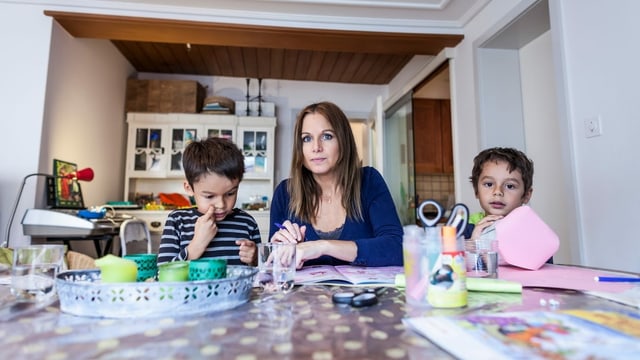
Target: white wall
{"points": [[543, 144], [23, 70], [84, 119], [598, 65], [465, 111]]}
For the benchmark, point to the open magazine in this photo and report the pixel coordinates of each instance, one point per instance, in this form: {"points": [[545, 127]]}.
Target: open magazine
{"points": [[348, 275], [568, 334]]}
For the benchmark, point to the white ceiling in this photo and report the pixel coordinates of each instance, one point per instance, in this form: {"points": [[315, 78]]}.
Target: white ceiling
{"points": [[420, 16]]}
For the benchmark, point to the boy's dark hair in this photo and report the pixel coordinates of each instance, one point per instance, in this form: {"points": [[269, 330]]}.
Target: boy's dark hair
{"points": [[217, 155], [516, 159]]}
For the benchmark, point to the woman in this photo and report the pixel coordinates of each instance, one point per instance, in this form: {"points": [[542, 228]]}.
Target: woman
{"points": [[337, 211]]}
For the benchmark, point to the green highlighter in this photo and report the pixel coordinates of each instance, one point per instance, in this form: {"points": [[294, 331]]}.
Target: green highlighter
{"points": [[479, 284], [493, 285]]}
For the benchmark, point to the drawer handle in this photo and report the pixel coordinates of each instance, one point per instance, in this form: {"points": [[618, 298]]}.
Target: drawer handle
{"points": [[155, 224]]}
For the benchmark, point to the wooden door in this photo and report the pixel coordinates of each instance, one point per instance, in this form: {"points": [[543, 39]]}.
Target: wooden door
{"points": [[432, 136]]}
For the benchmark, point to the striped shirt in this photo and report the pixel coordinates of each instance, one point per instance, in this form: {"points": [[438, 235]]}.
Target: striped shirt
{"points": [[179, 229]]}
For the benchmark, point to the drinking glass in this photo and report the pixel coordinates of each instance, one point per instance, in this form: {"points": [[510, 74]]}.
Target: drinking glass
{"points": [[276, 266], [482, 259], [34, 271]]}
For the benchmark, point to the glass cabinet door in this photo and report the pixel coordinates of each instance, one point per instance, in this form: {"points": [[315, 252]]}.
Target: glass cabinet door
{"points": [[220, 132], [255, 148], [149, 151], [180, 138]]}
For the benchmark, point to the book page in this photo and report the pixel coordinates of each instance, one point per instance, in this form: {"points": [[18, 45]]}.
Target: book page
{"points": [[348, 275], [527, 335], [385, 275], [318, 274]]}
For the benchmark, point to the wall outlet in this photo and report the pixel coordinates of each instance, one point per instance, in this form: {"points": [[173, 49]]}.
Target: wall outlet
{"points": [[592, 126]]}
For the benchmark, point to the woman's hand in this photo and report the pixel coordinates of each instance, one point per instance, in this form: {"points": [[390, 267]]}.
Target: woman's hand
{"points": [[205, 230], [309, 250], [483, 224], [340, 249], [248, 254], [289, 233]]}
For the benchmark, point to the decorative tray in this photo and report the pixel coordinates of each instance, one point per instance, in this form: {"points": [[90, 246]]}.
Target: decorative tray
{"points": [[82, 293]]}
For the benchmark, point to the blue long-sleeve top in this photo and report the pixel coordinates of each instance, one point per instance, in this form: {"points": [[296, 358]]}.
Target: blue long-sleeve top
{"points": [[378, 236]]}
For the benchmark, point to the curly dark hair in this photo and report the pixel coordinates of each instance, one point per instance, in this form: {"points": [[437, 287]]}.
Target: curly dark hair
{"points": [[516, 159]]}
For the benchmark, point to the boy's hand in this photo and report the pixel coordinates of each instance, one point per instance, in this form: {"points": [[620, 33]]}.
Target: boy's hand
{"points": [[248, 254], [205, 230], [483, 224]]}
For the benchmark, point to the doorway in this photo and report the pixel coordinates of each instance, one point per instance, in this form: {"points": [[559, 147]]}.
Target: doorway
{"points": [[398, 157], [433, 145], [418, 147]]}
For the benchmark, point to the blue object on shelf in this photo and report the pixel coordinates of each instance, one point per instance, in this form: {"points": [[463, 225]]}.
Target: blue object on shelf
{"points": [[92, 214]]}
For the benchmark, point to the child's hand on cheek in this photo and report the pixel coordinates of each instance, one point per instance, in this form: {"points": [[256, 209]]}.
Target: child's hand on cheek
{"points": [[205, 230], [248, 254]]}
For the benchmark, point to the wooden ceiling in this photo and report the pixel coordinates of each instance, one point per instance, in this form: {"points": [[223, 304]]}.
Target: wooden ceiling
{"points": [[246, 51]]}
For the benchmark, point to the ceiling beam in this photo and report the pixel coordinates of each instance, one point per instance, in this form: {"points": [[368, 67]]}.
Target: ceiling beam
{"points": [[203, 33]]}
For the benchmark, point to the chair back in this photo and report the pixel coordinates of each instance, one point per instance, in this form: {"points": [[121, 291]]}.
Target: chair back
{"points": [[136, 233]]}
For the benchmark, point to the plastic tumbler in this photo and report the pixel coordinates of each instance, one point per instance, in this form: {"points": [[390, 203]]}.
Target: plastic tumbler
{"points": [[147, 265], [173, 271], [207, 269]]}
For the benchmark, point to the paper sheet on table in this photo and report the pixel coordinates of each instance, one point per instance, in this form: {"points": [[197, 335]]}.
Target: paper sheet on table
{"points": [[629, 297], [562, 277]]}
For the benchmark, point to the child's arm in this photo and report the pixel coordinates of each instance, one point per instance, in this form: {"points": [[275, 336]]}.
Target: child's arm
{"points": [[205, 230], [248, 253]]}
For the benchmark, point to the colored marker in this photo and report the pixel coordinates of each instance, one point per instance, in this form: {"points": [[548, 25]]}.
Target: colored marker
{"points": [[616, 279], [280, 226]]}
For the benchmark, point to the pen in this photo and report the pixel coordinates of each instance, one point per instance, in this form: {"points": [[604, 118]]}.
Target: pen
{"points": [[616, 279], [279, 226]]}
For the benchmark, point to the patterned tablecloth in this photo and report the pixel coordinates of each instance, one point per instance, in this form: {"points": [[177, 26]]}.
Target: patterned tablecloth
{"points": [[304, 324]]}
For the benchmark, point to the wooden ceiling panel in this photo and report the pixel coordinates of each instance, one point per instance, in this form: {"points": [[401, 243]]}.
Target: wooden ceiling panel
{"points": [[161, 46], [302, 64], [277, 64], [290, 62], [209, 58], [330, 59]]}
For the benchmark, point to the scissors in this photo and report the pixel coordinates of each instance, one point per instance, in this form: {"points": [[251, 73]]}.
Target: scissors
{"points": [[458, 217]]}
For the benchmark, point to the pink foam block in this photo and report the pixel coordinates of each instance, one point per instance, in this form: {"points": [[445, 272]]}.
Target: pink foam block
{"points": [[524, 240]]}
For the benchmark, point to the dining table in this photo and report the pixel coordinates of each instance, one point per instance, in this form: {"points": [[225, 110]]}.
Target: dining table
{"points": [[304, 323]]}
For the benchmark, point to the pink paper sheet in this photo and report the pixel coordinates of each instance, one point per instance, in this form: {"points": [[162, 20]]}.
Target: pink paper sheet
{"points": [[564, 277]]}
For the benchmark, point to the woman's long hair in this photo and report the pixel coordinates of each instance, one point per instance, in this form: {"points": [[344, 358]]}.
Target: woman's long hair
{"points": [[304, 191]]}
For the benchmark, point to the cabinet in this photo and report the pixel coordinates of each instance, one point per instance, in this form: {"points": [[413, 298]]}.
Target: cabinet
{"points": [[156, 142], [433, 150]]}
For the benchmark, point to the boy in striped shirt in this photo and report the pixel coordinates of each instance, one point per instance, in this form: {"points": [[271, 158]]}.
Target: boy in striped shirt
{"points": [[214, 228]]}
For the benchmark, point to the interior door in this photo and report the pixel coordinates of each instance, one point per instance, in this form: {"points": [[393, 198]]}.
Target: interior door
{"points": [[399, 171]]}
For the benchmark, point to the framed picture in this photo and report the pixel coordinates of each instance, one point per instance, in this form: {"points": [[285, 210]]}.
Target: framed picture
{"points": [[66, 189]]}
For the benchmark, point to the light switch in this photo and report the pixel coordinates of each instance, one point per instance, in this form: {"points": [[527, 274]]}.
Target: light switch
{"points": [[592, 126]]}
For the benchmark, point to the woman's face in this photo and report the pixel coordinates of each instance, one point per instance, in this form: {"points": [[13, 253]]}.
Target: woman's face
{"points": [[319, 144]]}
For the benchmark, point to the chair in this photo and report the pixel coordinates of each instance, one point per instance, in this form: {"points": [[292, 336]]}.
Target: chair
{"points": [[79, 261], [135, 232]]}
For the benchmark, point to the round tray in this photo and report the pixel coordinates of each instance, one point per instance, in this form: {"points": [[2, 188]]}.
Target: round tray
{"points": [[82, 293]]}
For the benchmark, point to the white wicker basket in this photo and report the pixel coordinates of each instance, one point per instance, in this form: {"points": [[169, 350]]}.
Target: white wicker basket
{"points": [[82, 293]]}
